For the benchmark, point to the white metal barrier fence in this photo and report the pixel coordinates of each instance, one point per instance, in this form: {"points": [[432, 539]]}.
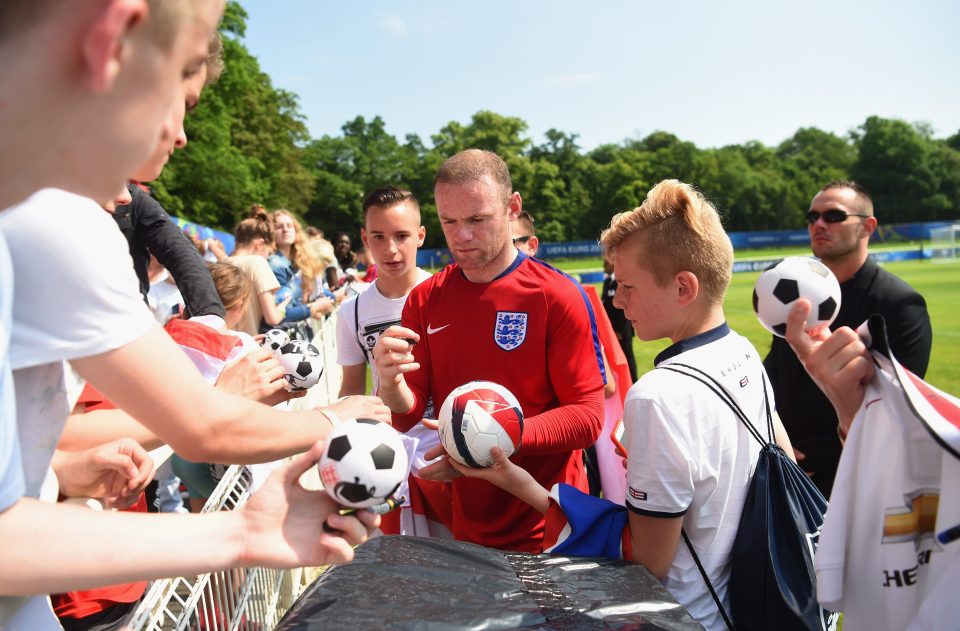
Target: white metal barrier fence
{"points": [[241, 599]]}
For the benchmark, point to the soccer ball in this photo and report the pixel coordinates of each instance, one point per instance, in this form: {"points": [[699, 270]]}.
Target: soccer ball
{"points": [[781, 284], [363, 463], [477, 416], [302, 365], [274, 339]]}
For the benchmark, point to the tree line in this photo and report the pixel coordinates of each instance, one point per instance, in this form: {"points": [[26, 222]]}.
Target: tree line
{"points": [[248, 143]]}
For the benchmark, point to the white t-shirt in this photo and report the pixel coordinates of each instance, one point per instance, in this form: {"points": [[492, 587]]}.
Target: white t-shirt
{"points": [[76, 295], [164, 298], [690, 456], [377, 313], [879, 560]]}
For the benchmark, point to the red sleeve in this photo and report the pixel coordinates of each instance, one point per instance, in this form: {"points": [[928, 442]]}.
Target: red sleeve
{"points": [[419, 380], [573, 425], [574, 365]]}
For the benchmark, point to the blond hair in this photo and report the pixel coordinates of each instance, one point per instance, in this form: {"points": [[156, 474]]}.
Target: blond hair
{"points": [[164, 19], [167, 17], [233, 286], [214, 63], [300, 254], [677, 230], [472, 165]]}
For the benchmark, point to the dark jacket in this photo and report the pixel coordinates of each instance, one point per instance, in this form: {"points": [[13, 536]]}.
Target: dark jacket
{"points": [[148, 229], [806, 412]]}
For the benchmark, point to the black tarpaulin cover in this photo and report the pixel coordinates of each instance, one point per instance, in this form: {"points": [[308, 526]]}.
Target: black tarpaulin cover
{"points": [[399, 582]]}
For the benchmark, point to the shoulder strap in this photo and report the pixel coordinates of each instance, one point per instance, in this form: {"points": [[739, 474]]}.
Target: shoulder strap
{"points": [[356, 328], [703, 573], [710, 382]]}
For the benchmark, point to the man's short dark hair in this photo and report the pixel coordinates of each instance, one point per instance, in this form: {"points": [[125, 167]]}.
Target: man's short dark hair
{"points": [[526, 220], [472, 165], [387, 197], [866, 200]]}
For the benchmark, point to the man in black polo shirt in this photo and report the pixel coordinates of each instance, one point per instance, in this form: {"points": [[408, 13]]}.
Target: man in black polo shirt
{"points": [[840, 222]]}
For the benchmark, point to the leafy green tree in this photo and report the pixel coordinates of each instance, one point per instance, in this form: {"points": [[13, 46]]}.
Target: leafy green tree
{"points": [[245, 143], [810, 159], [904, 169]]}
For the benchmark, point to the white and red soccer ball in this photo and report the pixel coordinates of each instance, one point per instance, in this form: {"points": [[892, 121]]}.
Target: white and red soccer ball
{"points": [[477, 416], [779, 286], [363, 463], [302, 365]]}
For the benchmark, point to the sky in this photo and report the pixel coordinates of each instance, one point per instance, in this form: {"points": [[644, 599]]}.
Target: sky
{"points": [[711, 72]]}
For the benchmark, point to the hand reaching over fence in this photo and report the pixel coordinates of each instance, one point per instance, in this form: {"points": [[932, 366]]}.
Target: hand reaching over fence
{"points": [[284, 523]]}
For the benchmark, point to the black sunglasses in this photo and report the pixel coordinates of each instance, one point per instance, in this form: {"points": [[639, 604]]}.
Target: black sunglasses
{"points": [[519, 240], [833, 215]]}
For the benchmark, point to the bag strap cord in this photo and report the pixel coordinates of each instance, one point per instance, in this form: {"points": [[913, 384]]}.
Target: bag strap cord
{"points": [[717, 388], [703, 573], [356, 329]]}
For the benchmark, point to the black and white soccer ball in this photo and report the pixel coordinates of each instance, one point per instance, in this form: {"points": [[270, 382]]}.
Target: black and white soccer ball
{"points": [[477, 416], [274, 339], [302, 364], [363, 464], [780, 285]]}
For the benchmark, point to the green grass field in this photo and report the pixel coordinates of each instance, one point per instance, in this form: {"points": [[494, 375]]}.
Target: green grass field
{"points": [[939, 283]]}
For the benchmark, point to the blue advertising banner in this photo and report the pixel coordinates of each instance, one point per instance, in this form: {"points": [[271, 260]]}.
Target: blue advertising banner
{"points": [[203, 232], [895, 233]]}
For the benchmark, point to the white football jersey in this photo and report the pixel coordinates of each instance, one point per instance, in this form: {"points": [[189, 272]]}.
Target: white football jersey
{"points": [[890, 535]]}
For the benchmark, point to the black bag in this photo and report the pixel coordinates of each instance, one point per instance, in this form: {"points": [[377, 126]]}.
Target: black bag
{"points": [[772, 581]]}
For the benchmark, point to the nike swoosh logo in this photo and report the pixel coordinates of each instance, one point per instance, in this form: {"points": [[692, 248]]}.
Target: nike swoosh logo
{"points": [[431, 330]]}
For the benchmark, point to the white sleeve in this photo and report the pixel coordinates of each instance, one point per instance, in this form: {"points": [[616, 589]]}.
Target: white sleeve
{"points": [[12, 486], [659, 458], [76, 293], [348, 346]]}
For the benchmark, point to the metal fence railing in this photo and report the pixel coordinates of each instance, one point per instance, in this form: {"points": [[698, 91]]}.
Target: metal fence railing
{"points": [[248, 598]]}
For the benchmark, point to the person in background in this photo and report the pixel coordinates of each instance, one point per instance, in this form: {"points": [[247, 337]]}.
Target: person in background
{"points": [[287, 263], [254, 242], [368, 265], [621, 326], [524, 234], [346, 258], [840, 221], [146, 225]]}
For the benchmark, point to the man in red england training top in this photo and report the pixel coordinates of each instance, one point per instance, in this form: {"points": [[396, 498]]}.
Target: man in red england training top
{"points": [[456, 319]]}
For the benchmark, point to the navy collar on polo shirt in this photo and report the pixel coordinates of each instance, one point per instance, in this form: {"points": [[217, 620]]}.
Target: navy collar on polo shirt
{"points": [[701, 339]]}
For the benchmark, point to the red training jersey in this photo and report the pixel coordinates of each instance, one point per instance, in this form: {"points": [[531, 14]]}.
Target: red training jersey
{"points": [[533, 331]]}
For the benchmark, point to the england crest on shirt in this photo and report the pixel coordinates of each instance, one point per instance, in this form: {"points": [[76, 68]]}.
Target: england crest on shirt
{"points": [[510, 329]]}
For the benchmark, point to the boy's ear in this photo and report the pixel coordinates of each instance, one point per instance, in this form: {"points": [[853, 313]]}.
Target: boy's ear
{"points": [[105, 42], [363, 237], [688, 288], [421, 235]]}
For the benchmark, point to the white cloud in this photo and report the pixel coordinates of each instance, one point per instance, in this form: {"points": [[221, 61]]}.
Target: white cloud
{"points": [[572, 80], [394, 25]]}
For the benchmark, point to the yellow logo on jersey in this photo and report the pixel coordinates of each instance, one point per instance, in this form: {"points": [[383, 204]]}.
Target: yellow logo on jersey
{"points": [[914, 521]]}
